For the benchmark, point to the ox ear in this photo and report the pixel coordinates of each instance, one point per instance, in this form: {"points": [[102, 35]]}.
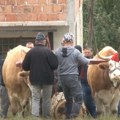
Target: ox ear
{"points": [[104, 65], [24, 73]]}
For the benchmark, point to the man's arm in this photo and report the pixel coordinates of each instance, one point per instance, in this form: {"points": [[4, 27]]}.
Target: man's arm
{"points": [[97, 61]]}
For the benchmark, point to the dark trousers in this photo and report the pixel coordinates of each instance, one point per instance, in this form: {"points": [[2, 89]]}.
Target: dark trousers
{"points": [[73, 94], [88, 100], [119, 109], [4, 101]]}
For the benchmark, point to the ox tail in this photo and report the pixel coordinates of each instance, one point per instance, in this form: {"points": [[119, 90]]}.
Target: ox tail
{"points": [[24, 75]]}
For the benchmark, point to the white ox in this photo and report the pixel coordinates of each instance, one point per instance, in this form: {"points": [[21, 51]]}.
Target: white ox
{"points": [[104, 80]]}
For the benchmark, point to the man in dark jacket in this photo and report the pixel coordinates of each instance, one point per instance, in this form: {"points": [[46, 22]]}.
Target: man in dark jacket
{"points": [[87, 94], [41, 62]]}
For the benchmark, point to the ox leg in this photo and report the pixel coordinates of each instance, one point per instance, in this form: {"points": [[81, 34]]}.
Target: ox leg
{"points": [[15, 105], [25, 108], [25, 103], [99, 105], [115, 102]]}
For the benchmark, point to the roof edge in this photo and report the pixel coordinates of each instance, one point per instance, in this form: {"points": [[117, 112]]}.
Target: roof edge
{"points": [[34, 23]]}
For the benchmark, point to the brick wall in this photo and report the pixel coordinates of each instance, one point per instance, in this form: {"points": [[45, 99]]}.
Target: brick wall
{"points": [[33, 10]]}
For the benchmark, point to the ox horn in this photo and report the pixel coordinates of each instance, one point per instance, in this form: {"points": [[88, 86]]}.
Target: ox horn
{"points": [[107, 58]]}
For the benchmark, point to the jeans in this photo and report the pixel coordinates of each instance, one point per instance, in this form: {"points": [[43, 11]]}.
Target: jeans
{"points": [[119, 109], [88, 100], [45, 92], [73, 94], [4, 101]]}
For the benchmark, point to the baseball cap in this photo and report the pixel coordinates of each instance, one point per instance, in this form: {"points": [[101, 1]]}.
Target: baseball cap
{"points": [[40, 36], [68, 37]]}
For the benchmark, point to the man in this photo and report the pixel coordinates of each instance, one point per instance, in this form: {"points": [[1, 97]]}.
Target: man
{"points": [[87, 95], [29, 45], [41, 62], [68, 59], [4, 95]]}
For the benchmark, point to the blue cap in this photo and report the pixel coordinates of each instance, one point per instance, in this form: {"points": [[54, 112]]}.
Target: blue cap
{"points": [[40, 36]]}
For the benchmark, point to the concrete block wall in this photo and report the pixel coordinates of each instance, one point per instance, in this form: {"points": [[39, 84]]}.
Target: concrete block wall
{"points": [[77, 6], [33, 10]]}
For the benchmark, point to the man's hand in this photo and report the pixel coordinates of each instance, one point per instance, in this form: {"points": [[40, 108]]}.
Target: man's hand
{"points": [[19, 64]]}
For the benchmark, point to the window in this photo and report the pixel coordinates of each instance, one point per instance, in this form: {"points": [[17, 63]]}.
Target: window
{"points": [[8, 43]]}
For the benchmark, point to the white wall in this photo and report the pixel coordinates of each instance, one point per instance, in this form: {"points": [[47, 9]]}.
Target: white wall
{"points": [[79, 22], [59, 35], [16, 33]]}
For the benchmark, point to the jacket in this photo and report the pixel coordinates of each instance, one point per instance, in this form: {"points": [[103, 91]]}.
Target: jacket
{"points": [[41, 62], [68, 59], [1, 78]]}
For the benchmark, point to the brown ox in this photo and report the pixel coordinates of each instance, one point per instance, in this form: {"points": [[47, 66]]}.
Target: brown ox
{"points": [[18, 90], [104, 80]]}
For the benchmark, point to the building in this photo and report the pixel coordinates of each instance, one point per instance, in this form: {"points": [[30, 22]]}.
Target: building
{"points": [[21, 20]]}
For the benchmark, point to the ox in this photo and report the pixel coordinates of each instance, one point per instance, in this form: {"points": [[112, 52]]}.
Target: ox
{"points": [[18, 90], [104, 79]]}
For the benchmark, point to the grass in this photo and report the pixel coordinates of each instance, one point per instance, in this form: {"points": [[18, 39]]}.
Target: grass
{"points": [[86, 117], [18, 117]]}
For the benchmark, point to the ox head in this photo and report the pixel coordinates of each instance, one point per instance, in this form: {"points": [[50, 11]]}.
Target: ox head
{"points": [[112, 66], [106, 53], [113, 71]]}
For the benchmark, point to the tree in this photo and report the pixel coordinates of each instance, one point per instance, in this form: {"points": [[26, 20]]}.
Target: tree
{"points": [[106, 23]]}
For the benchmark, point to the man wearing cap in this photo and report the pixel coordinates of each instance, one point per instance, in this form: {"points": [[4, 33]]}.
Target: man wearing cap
{"points": [[41, 62], [68, 59]]}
